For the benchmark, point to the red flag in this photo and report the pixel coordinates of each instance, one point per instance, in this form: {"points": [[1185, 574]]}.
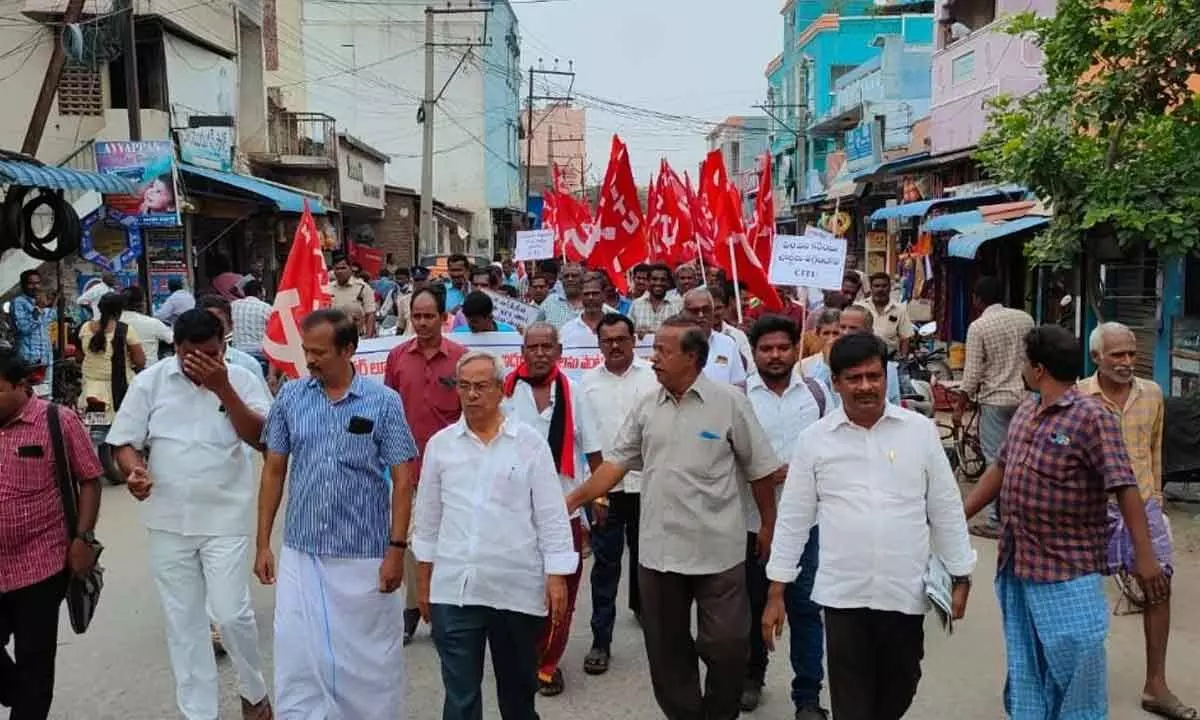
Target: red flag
{"points": [[733, 254], [761, 233], [301, 290], [702, 227], [673, 221], [621, 233]]}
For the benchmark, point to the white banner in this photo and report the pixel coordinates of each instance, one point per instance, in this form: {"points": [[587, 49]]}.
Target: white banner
{"points": [[814, 259], [371, 359]]}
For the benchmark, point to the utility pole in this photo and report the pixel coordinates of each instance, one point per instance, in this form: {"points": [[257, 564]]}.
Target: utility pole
{"points": [[429, 102], [132, 90], [566, 99], [797, 133], [54, 71]]}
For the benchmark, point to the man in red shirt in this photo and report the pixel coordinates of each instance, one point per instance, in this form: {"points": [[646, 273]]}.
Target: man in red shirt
{"points": [[35, 555], [422, 371]]}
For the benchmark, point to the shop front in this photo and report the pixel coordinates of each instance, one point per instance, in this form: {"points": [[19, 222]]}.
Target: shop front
{"points": [[361, 200]]}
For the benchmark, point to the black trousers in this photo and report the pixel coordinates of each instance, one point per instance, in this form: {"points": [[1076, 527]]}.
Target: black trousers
{"points": [[29, 617], [757, 585], [874, 659], [721, 641], [609, 541]]}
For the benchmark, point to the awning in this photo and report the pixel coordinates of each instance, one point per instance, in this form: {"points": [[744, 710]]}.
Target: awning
{"points": [[285, 199], [919, 208], [966, 244], [61, 178], [888, 166], [957, 222]]}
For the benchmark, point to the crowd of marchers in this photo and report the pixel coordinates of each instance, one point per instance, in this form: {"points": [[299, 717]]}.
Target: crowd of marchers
{"points": [[756, 489]]}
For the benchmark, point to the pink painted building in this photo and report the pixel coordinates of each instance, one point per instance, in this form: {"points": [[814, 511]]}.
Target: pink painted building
{"points": [[975, 60], [559, 138]]}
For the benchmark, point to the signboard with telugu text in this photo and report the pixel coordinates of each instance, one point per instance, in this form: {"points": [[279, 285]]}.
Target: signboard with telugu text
{"points": [[814, 259], [512, 312], [534, 245], [370, 360]]}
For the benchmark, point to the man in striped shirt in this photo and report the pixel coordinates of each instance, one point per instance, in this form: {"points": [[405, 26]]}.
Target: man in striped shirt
{"points": [[337, 616]]}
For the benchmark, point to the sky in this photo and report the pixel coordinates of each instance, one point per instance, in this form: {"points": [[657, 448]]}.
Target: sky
{"points": [[702, 59]]}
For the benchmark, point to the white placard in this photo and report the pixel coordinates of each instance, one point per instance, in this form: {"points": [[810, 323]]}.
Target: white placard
{"points": [[513, 312], [815, 259], [534, 245]]}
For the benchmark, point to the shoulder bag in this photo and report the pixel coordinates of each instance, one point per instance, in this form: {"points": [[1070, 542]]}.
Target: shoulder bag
{"points": [[83, 593]]}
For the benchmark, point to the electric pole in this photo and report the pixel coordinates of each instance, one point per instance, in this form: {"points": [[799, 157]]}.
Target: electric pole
{"points": [[529, 126], [425, 116], [797, 133]]}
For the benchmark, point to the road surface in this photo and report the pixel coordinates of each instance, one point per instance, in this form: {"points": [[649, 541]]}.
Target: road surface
{"points": [[119, 669]]}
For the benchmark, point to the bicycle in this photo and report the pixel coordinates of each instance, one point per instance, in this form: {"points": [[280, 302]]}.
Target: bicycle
{"points": [[967, 454]]}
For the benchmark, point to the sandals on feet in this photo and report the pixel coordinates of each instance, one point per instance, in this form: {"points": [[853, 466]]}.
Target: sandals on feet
{"points": [[1170, 707], [554, 686], [596, 662]]}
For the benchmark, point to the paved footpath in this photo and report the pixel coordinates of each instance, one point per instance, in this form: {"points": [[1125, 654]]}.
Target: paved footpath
{"points": [[119, 670]]}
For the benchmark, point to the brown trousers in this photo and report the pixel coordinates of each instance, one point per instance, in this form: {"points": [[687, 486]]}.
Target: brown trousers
{"points": [[722, 641]]}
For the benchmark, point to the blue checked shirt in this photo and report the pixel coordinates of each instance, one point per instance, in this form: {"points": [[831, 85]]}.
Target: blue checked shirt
{"points": [[33, 330], [339, 497]]}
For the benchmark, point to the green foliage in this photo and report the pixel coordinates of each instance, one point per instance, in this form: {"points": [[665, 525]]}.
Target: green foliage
{"points": [[1112, 141]]}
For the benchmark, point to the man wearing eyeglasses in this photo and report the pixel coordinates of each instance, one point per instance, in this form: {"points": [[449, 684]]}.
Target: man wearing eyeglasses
{"points": [[612, 390]]}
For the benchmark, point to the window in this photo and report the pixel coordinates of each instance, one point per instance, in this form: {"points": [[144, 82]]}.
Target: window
{"points": [[837, 71], [962, 68], [152, 77], [735, 157], [80, 92]]}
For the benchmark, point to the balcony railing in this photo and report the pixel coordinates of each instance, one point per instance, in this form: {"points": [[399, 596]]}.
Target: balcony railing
{"points": [[302, 138]]}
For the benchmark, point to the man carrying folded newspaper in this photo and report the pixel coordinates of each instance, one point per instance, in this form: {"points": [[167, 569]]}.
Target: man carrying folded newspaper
{"points": [[875, 478]]}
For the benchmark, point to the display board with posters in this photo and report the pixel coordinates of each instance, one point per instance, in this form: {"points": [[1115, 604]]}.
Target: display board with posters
{"points": [[150, 166]]}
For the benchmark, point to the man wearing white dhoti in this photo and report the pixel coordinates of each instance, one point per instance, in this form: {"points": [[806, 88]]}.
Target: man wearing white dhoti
{"points": [[338, 619], [197, 502]]}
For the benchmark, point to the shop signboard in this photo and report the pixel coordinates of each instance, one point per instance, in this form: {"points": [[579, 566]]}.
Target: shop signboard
{"points": [[150, 166], [207, 147], [863, 145]]}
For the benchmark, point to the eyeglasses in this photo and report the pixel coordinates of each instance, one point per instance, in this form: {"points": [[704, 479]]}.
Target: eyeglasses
{"points": [[466, 388]]}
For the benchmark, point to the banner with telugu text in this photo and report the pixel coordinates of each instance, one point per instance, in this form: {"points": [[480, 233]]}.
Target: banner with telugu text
{"points": [[371, 359]]}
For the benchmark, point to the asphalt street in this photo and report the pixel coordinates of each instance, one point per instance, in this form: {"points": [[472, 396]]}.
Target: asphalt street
{"points": [[119, 669]]}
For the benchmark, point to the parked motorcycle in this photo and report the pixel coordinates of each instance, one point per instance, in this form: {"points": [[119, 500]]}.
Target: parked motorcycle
{"points": [[96, 419], [918, 371]]}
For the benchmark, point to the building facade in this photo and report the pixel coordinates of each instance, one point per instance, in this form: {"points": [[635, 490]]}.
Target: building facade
{"points": [[364, 65], [558, 138]]}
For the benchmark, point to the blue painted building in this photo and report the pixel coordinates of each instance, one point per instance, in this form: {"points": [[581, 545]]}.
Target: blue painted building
{"points": [[501, 121], [824, 42]]}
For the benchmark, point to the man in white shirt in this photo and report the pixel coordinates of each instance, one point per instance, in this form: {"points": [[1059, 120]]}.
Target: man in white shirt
{"points": [[198, 497], [96, 290], [488, 569], [721, 297], [581, 331], [785, 403], [151, 330], [178, 302], [612, 390], [220, 307], [876, 480], [538, 394], [250, 315], [724, 361]]}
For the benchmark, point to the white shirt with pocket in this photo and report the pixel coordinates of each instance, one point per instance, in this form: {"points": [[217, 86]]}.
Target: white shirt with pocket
{"points": [[204, 480], [724, 361], [885, 498], [611, 397], [491, 518]]}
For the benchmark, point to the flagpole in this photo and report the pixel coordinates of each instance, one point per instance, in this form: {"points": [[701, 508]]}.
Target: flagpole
{"points": [[700, 259], [737, 290]]}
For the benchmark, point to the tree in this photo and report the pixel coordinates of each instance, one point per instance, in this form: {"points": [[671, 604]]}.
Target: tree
{"points": [[1112, 140]]}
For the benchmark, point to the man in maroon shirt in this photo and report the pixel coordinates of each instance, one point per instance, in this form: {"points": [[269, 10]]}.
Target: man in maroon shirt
{"points": [[422, 371], [35, 556]]}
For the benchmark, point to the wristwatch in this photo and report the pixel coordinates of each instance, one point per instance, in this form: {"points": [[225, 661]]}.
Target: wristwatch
{"points": [[88, 537], [957, 580], [399, 544]]}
